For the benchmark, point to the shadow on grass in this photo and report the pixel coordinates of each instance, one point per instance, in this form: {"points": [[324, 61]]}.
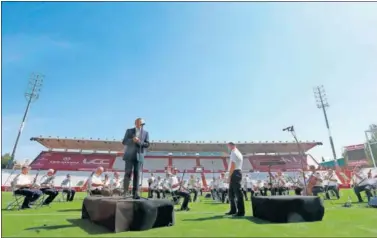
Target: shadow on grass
{"points": [[86, 225], [249, 218], [69, 210]]}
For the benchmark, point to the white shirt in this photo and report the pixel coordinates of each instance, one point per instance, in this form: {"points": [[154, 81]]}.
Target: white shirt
{"points": [[191, 183], [115, 183], [199, 183], [95, 179], [47, 181], [318, 176], [22, 180], [151, 179], [174, 183], [212, 185], [237, 158], [66, 183], [137, 132], [246, 182], [332, 177], [357, 180]]}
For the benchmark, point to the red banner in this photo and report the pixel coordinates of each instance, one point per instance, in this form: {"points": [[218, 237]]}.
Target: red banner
{"points": [[72, 161], [354, 147], [278, 162]]}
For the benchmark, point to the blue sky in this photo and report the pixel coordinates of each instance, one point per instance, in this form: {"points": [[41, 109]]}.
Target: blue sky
{"points": [[194, 71]]}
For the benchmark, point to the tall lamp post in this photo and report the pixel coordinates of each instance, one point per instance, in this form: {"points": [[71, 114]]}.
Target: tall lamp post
{"points": [[31, 95], [320, 96], [370, 143]]}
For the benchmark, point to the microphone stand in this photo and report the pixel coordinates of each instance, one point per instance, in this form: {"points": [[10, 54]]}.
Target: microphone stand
{"points": [[291, 129]]}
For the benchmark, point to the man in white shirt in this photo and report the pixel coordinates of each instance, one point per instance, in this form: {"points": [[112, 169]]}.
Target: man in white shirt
{"points": [[191, 186], [116, 184], [247, 187], [318, 187], [67, 188], [331, 184], [237, 206], [150, 182], [212, 187], [47, 187], [156, 187], [199, 185], [358, 178], [96, 184], [176, 190], [22, 185], [222, 187]]}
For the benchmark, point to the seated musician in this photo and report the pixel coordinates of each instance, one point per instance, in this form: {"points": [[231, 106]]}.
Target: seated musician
{"points": [[265, 186], [67, 188], [156, 187], [212, 188], [176, 190], [222, 187], [47, 186], [246, 187], [299, 184], [318, 186], [192, 188], [23, 185], [199, 185], [358, 178], [96, 184], [116, 184], [280, 183], [150, 182], [331, 184]]}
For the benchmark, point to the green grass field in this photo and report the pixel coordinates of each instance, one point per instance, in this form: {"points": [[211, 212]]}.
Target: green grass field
{"points": [[204, 220]]}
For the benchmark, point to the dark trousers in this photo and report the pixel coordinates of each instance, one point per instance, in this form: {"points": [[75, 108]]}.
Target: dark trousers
{"points": [[366, 189], [184, 195], [235, 194], [298, 191], [222, 194], [31, 195], [195, 192], [150, 191], [157, 192], [51, 193], [213, 193], [131, 164], [70, 194], [245, 191], [316, 190], [263, 191], [332, 188]]}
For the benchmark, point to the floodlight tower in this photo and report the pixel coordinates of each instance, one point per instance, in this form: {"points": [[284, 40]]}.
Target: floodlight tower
{"points": [[31, 95], [320, 96], [372, 130]]}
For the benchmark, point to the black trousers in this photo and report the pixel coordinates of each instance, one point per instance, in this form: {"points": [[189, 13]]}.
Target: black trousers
{"points": [[51, 192], [31, 195], [184, 195], [132, 164], [359, 189], [235, 193], [195, 192], [245, 191], [70, 194], [317, 189], [298, 191], [332, 188]]}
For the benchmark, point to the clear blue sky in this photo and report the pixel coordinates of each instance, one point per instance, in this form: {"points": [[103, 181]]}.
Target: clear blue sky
{"points": [[194, 71]]}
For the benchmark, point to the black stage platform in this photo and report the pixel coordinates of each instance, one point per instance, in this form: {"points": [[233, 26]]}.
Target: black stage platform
{"points": [[119, 214], [283, 209]]}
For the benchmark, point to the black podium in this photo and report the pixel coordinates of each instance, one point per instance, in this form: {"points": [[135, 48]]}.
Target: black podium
{"points": [[119, 214], [283, 209]]}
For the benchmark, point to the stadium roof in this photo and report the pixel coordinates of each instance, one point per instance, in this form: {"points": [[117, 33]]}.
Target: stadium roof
{"points": [[172, 146]]}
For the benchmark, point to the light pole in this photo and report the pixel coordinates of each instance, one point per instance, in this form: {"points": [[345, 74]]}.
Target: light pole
{"points": [[320, 96], [370, 143], [31, 95]]}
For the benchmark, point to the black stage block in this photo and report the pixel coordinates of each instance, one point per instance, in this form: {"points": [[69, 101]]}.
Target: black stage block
{"points": [[283, 209], [119, 214]]}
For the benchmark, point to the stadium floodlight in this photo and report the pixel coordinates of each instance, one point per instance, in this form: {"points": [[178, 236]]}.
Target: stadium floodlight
{"points": [[370, 143], [321, 100], [31, 95]]}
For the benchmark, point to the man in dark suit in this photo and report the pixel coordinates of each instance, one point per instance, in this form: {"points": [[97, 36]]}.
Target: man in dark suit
{"points": [[136, 141]]}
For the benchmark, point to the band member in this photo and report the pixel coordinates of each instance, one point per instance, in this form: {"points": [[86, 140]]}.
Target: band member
{"points": [[331, 184], [176, 189], [156, 187], [246, 187], [318, 186], [358, 178], [47, 187], [222, 187], [299, 184], [192, 187], [237, 206], [67, 188], [280, 183], [23, 185], [199, 185], [212, 188], [96, 185], [150, 182], [116, 184], [136, 141]]}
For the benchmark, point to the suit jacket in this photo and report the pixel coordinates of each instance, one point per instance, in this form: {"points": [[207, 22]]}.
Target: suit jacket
{"points": [[135, 149]]}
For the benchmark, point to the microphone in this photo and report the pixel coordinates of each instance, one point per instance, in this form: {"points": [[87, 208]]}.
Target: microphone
{"points": [[142, 122]]}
